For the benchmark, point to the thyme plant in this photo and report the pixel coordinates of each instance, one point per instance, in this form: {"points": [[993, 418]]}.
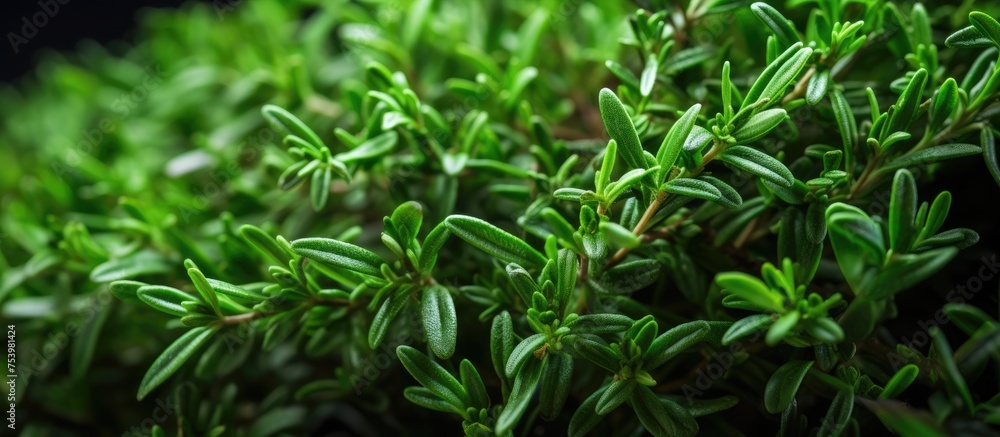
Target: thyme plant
{"points": [[505, 218]]}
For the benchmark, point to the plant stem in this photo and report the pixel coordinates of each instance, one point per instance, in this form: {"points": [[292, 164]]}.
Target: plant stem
{"points": [[241, 318], [717, 147], [639, 227], [654, 206]]}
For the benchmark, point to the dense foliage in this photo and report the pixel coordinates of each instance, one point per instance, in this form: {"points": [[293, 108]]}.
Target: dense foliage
{"points": [[526, 216]]}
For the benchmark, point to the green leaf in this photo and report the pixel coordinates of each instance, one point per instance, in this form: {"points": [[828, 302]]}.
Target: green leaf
{"points": [[494, 240], [129, 266], [696, 188], [727, 92], [235, 291], [944, 103], [571, 194], [784, 383], [339, 254], [892, 139], [407, 218], [473, 384], [819, 83], [432, 376], [82, 352], [847, 124], [383, 319], [371, 148], [704, 407], [125, 290], [825, 330], [623, 74], [295, 174], [502, 341], [759, 164], [969, 318], [601, 323], [759, 125], [645, 336], [622, 130], [585, 418], [416, 21], [598, 353], [953, 379], [662, 417], [988, 140], [920, 32], [603, 178], [172, 358], [730, 197], [205, 290], [265, 244], [673, 143], [932, 154], [857, 242], [520, 396], [782, 27], [900, 381], [522, 353], [674, 341], [746, 326], [427, 399], [902, 212], [557, 376], [968, 37], [782, 327], [785, 75], [648, 78], [986, 25], [529, 35], [319, 189], [960, 238], [499, 167], [165, 298], [909, 101], [285, 122], [616, 394], [619, 235], [750, 289], [904, 271], [835, 421], [687, 58], [903, 419], [627, 181], [440, 323], [432, 246], [567, 266]]}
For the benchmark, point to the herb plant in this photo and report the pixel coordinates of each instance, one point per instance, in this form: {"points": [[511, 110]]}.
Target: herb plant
{"points": [[525, 217]]}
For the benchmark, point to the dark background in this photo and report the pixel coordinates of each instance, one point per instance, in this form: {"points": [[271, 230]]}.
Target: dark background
{"points": [[102, 21]]}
